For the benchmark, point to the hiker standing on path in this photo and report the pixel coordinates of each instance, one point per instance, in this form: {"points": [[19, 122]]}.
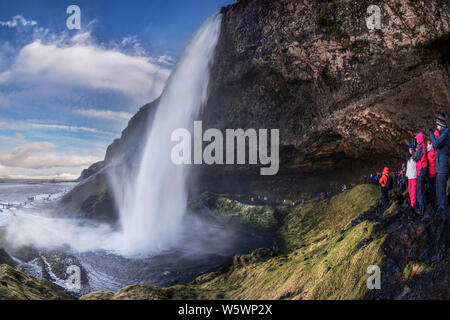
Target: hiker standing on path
{"points": [[384, 182], [420, 156], [411, 174], [441, 142], [431, 157]]}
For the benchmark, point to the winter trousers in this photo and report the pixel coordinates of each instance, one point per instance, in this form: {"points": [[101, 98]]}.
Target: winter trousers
{"points": [[431, 188], [412, 188], [441, 191], [421, 189], [403, 185], [384, 195]]}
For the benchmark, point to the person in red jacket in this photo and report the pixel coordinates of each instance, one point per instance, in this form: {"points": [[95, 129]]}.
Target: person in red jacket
{"points": [[431, 157], [420, 156], [384, 183]]}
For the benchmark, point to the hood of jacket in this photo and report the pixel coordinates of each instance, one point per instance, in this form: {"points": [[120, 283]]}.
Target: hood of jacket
{"points": [[386, 171], [420, 137]]}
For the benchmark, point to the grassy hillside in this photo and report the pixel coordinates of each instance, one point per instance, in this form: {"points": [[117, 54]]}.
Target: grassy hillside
{"points": [[16, 285], [325, 258]]}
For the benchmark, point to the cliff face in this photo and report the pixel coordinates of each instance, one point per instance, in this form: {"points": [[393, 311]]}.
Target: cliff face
{"points": [[334, 88], [343, 96]]}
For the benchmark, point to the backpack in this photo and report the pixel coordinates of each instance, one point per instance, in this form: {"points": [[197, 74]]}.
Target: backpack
{"points": [[404, 178], [390, 183]]}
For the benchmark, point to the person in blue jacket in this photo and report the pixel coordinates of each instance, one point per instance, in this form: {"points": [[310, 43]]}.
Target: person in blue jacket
{"points": [[441, 142]]}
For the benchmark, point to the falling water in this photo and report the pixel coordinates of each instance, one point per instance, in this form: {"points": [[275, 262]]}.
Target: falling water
{"points": [[155, 203]]}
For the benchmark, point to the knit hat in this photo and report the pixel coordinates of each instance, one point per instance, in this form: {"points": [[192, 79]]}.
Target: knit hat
{"points": [[441, 120]]}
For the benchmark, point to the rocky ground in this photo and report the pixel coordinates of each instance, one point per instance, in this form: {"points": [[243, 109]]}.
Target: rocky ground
{"points": [[16, 285]]}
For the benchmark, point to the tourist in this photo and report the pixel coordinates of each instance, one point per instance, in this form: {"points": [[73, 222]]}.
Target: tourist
{"points": [[411, 174], [441, 142], [431, 157], [385, 185], [420, 156]]}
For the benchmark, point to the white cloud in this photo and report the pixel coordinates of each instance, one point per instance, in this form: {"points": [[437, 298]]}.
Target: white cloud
{"points": [[7, 53], [21, 125], [20, 137], [82, 64], [57, 176], [166, 59], [8, 141], [18, 20], [68, 128], [104, 114], [3, 171], [36, 156], [132, 45]]}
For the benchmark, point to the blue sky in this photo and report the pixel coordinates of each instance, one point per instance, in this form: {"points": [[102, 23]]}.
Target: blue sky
{"points": [[66, 94]]}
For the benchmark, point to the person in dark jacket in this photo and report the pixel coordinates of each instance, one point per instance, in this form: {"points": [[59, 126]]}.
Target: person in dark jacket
{"points": [[402, 179], [431, 156], [420, 156], [442, 146]]}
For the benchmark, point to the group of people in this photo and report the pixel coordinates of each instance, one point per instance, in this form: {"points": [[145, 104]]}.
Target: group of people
{"points": [[373, 178], [427, 167]]}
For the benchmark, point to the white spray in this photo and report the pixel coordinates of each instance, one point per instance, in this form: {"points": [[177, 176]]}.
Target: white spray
{"points": [[153, 205]]}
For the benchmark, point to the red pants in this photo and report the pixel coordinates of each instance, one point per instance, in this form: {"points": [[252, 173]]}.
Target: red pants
{"points": [[412, 188]]}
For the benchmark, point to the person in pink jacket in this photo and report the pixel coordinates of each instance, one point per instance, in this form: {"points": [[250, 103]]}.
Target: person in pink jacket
{"points": [[420, 156], [431, 157]]}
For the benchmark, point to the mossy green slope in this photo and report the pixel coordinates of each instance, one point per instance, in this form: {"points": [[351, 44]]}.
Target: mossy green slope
{"points": [[315, 220], [323, 259], [16, 285], [149, 292], [258, 217]]}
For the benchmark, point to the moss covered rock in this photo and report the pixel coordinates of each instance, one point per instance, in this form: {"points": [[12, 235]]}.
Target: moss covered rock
{"points": [[325, 257], [258, 217], [255, 256], [149, 292], [415, 268], [16, 285], [99, 295], [315, 221]]}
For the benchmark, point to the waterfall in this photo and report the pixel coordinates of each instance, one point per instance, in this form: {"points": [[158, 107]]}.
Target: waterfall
{"points": [[154, 203]]}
